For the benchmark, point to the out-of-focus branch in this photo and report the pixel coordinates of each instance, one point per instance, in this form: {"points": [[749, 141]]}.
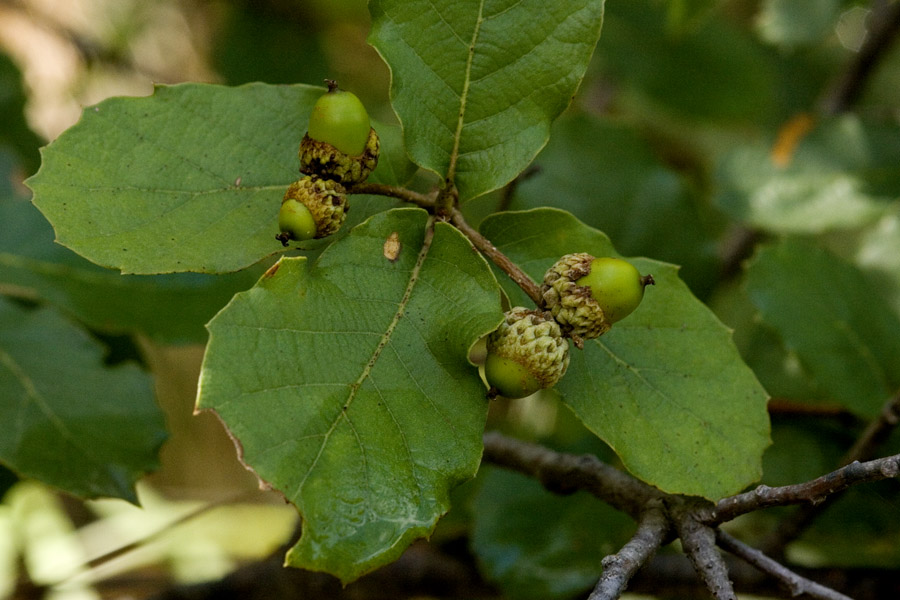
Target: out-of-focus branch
{"points": [[884, 24], [864, 448]]}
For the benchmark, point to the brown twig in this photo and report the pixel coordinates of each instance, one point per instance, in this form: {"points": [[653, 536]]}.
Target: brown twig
{"points": [[884, 24], [498, 258], [814, 491], [479, 241], [618, 569], [381, 189], [795, 583], [693, 520]]}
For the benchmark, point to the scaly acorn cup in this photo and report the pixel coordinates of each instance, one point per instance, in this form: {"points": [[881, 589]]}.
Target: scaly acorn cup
{"points": [[340, 143], [525, 354], [311, 208], [586, 295]]}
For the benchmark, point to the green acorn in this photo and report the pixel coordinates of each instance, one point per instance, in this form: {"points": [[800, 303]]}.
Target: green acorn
{"points": [[340, 143], [586, 295], [525, 354], [311, 208]]}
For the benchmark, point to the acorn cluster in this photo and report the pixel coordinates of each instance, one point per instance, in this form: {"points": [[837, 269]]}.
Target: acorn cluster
{"points": [[583, 297], [340, 149]]}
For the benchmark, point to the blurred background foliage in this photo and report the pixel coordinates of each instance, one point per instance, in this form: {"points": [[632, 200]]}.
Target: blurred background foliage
{"points": [[702, 132]]}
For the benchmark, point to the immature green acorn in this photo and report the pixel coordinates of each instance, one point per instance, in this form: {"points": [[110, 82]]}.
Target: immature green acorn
{"points": [[586, 295], [311, 208], [340, 143], [525, 354]]}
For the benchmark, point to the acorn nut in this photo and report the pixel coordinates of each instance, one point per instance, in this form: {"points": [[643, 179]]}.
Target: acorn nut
{"points": [[340, 142], [525, 354], [311, 208], [586, 295]]}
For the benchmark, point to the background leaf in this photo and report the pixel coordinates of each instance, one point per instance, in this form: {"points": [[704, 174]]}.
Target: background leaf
{"points": [[608, 177], [189, 179], [842, 174], [797, 22], [350, 394], [534, 544], [666, 387], [879, 254], [826, 311], [713, 72], [477, 84], [70, 421]]}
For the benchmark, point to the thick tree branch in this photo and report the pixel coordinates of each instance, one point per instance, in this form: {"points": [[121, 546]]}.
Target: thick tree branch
{"points": [[813, 491], [566, 473], [618, 569], [795, 583], [884, 23], [699, 543], [498, 258]]}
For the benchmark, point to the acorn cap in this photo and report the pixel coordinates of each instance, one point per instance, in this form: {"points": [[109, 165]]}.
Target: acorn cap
{"points": [[322, 159], [325, 199], [572, 305], [533, 340]]}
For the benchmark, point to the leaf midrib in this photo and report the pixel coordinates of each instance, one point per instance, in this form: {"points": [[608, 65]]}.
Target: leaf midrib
{"points": [[467, 80], [382, 344]]}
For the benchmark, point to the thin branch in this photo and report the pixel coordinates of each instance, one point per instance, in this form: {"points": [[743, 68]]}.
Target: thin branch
{"points": [[795, 583], [618, 569], [380, 189], [864, 448], [566, 473], [813, 491], [823, 410], [877, 431], [498, 258], [737, 247], [699, 543], [884, 24]]}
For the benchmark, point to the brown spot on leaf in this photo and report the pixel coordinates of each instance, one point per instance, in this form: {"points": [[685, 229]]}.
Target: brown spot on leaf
{"points": [[272, 270], [392, 247]]}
